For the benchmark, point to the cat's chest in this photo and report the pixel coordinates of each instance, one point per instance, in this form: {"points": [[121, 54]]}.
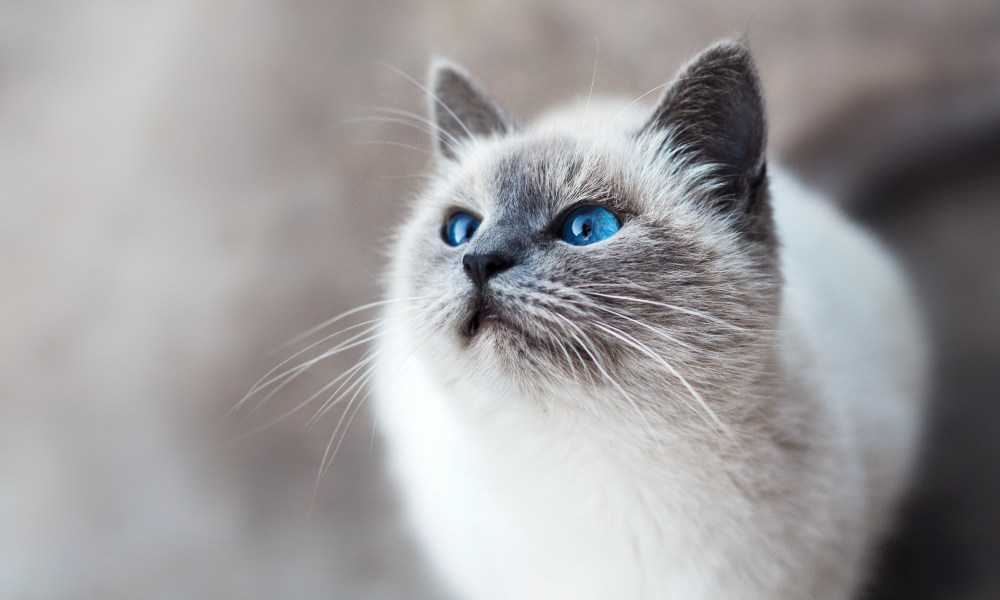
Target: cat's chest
{"points": [[553, 506]]}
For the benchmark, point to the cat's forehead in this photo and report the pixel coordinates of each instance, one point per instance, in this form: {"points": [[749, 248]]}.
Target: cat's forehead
{"points": [[537, 176]]}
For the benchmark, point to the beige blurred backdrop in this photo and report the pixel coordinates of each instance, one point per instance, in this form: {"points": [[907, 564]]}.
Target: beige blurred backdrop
{"points": [[185, 185]]}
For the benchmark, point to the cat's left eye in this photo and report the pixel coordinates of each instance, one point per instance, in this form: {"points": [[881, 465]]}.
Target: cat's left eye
{"points": [[588, 225], [460, 228]]}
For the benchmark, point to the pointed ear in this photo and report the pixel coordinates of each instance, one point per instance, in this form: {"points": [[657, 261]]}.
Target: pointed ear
{"points": [[461, 110], [716, 112]]}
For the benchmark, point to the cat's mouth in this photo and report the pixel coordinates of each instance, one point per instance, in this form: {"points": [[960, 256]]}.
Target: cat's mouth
{"points": [[487, 317], [483, 316]]}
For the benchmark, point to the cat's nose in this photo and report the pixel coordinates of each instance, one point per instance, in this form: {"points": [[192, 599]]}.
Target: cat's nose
{"points": [[480, 267]]}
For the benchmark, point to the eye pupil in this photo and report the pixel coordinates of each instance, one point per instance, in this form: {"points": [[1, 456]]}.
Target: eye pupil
{"points": [[588, 225], [459, 228]]}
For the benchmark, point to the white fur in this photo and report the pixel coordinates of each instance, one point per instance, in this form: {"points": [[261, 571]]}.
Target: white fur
{"points": [[512, 502]]}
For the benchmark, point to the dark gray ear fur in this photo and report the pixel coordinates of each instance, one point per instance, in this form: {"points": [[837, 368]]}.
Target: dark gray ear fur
{"points": [[461, 109], [716, 111]]}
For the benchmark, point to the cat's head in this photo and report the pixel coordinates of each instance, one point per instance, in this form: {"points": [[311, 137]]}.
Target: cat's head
{"points": [[618, 249]]}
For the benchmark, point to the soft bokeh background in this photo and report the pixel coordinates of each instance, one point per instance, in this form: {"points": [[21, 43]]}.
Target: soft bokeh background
{"points": [[184, 185]]}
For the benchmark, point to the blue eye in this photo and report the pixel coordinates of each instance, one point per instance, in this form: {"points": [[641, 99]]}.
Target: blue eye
{"points": [[589, 225], [460, 228]]}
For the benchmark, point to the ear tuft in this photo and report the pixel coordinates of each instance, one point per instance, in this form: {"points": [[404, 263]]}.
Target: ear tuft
{"points": [[716, 111], [461, 110]]}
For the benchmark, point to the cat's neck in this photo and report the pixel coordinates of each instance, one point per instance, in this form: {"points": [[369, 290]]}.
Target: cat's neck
{"points": [[736, 422]]}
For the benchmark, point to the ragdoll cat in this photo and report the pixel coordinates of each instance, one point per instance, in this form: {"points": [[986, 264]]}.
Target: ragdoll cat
{"points": [[626, 358]]}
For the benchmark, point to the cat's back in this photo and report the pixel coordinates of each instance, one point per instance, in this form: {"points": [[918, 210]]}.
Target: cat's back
{"points": [[848, 298]]}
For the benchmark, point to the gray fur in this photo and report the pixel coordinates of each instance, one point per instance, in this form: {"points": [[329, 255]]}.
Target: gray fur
{"points": [[698, 260], [659, 380]]}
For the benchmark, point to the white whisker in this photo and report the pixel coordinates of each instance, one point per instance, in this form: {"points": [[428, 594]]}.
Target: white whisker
{"points": [[431, 127], [605, 373], [674, 307], [348, 313], [328, 457], [395, 144], [431, 94], [628, 339], [593, 79]]}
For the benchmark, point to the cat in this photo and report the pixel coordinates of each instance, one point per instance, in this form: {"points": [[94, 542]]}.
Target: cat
{"points": [[625, 357]]}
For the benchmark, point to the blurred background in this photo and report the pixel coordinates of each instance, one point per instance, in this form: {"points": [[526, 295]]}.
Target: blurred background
{"points": [[185, 185]]}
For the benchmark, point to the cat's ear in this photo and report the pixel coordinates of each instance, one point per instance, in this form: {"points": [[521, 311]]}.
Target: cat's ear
{"points": [[715, 111], [461, 109]]}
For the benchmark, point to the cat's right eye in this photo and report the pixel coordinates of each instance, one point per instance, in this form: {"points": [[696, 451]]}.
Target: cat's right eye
{"points": [[460, 228]]}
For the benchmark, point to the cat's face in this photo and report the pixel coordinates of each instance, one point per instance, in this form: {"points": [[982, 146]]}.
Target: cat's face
{"points": [[622, 256]]}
